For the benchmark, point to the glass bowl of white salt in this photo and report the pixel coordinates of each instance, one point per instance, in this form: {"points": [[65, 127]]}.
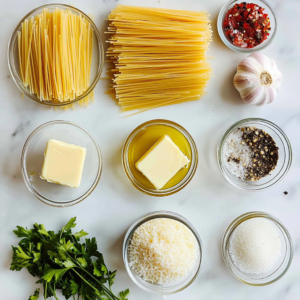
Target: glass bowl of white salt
{"points": [[257, 248], [254, 154]]}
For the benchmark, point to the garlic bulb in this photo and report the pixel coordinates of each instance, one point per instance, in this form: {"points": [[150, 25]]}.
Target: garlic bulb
{"points": [[258, 79]]}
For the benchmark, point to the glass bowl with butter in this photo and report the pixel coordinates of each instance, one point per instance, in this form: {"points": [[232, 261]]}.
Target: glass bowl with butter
{"points": [[61, 163], [160, 158]]}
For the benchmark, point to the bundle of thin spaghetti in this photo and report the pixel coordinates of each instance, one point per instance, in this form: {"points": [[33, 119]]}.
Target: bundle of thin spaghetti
{"points": [[158, 55], [55, 55]]}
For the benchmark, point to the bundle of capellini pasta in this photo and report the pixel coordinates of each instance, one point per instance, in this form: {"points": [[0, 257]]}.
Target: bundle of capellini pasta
{"points": [[55, 55], [158, 56]]}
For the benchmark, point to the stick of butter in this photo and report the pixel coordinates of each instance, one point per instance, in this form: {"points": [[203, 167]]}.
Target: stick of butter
{"points": [[161, 162], [63, 163]]}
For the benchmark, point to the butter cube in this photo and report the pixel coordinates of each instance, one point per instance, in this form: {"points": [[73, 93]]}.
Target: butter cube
{"points": [[63, 163], [161, 162]]}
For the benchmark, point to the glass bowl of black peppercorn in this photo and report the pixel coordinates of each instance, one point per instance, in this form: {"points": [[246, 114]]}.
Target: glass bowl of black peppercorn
{"points": [[254, 154]]}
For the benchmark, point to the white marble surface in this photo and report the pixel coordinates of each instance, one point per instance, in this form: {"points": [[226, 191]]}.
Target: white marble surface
{"points": [[209, 202]]}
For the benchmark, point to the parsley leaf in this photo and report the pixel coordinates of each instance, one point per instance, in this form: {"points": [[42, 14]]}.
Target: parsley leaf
{"points": [[69, 264], [124, 294], [96, 271], [35, 295], [70, 224], [80, 234], [111, 279], [42, 230], [82, 261], [74, 287], [58, 274], [22, 232]]}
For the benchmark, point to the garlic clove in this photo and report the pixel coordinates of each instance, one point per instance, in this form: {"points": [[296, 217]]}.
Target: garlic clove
{"points": [[265, 99], [261, 59], [247, 66], [272, 94], [258, 94], [277, 77]]}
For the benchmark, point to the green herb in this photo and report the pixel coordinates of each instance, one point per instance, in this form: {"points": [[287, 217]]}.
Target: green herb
{"points": [[36, 295], [60, 261]]}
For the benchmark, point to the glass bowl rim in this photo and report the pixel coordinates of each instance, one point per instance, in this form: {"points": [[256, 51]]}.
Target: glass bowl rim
{"points": [[154, 215], [257, 48], [273, 126], [100, 55], [180, 185], [36, 193], [241, 219]]}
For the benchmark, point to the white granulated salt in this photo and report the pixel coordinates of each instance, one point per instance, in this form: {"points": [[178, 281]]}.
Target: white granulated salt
{"points": [[233, 148], [255, 246]]}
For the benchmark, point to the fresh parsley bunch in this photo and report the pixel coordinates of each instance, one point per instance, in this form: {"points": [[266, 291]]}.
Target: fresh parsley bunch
{"points": [[60, 261]]}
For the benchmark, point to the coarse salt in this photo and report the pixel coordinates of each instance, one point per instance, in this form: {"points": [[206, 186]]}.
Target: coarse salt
{"points": [[255, 246], [233, 148]]}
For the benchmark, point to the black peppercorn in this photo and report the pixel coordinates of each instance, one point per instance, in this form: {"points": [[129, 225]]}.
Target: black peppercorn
{"points": [[260, 142]]}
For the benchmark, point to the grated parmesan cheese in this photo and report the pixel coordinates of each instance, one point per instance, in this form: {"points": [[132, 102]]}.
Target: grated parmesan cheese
{"points": [[162, 251]]}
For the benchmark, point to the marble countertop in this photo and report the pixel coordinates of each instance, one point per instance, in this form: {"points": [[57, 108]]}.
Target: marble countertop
{"points": [[208, 202]]}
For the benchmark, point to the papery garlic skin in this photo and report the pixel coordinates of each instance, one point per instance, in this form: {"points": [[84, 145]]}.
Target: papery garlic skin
{"points": [[258, 79]]}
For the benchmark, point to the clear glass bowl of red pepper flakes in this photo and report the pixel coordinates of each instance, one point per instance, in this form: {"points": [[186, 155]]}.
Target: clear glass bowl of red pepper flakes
{"points": [[247, 26]]}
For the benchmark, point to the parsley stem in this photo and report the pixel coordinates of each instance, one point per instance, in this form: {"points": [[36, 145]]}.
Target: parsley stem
{"points": [[82, 294], [85, 280], [53, 291], [45, 295], [108, 292]]}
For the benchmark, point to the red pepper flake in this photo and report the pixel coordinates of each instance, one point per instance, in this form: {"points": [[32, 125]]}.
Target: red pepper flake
{"points": [[246, 25]]}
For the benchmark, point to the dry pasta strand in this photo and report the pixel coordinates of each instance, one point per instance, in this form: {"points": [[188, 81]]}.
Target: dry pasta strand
{"points": [[158, 56], [55, 55]]}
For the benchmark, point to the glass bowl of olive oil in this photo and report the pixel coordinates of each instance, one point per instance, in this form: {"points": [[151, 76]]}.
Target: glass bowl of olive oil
{"points": [[142, 139]]}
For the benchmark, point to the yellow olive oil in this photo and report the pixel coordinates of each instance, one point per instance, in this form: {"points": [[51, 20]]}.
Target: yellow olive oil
{"points": [[145, 139]]}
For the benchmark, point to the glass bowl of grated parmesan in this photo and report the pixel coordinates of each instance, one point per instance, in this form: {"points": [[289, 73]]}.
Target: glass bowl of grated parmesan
{"points": [[254, 154], [162, 252], [251, 251]]}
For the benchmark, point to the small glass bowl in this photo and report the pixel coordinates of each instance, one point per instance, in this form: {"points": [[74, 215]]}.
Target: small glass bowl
{"points": [[268, 10], [155, 288], [177, 187], [33, 158], [97, 58], [278, 270], [283, 164]]}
